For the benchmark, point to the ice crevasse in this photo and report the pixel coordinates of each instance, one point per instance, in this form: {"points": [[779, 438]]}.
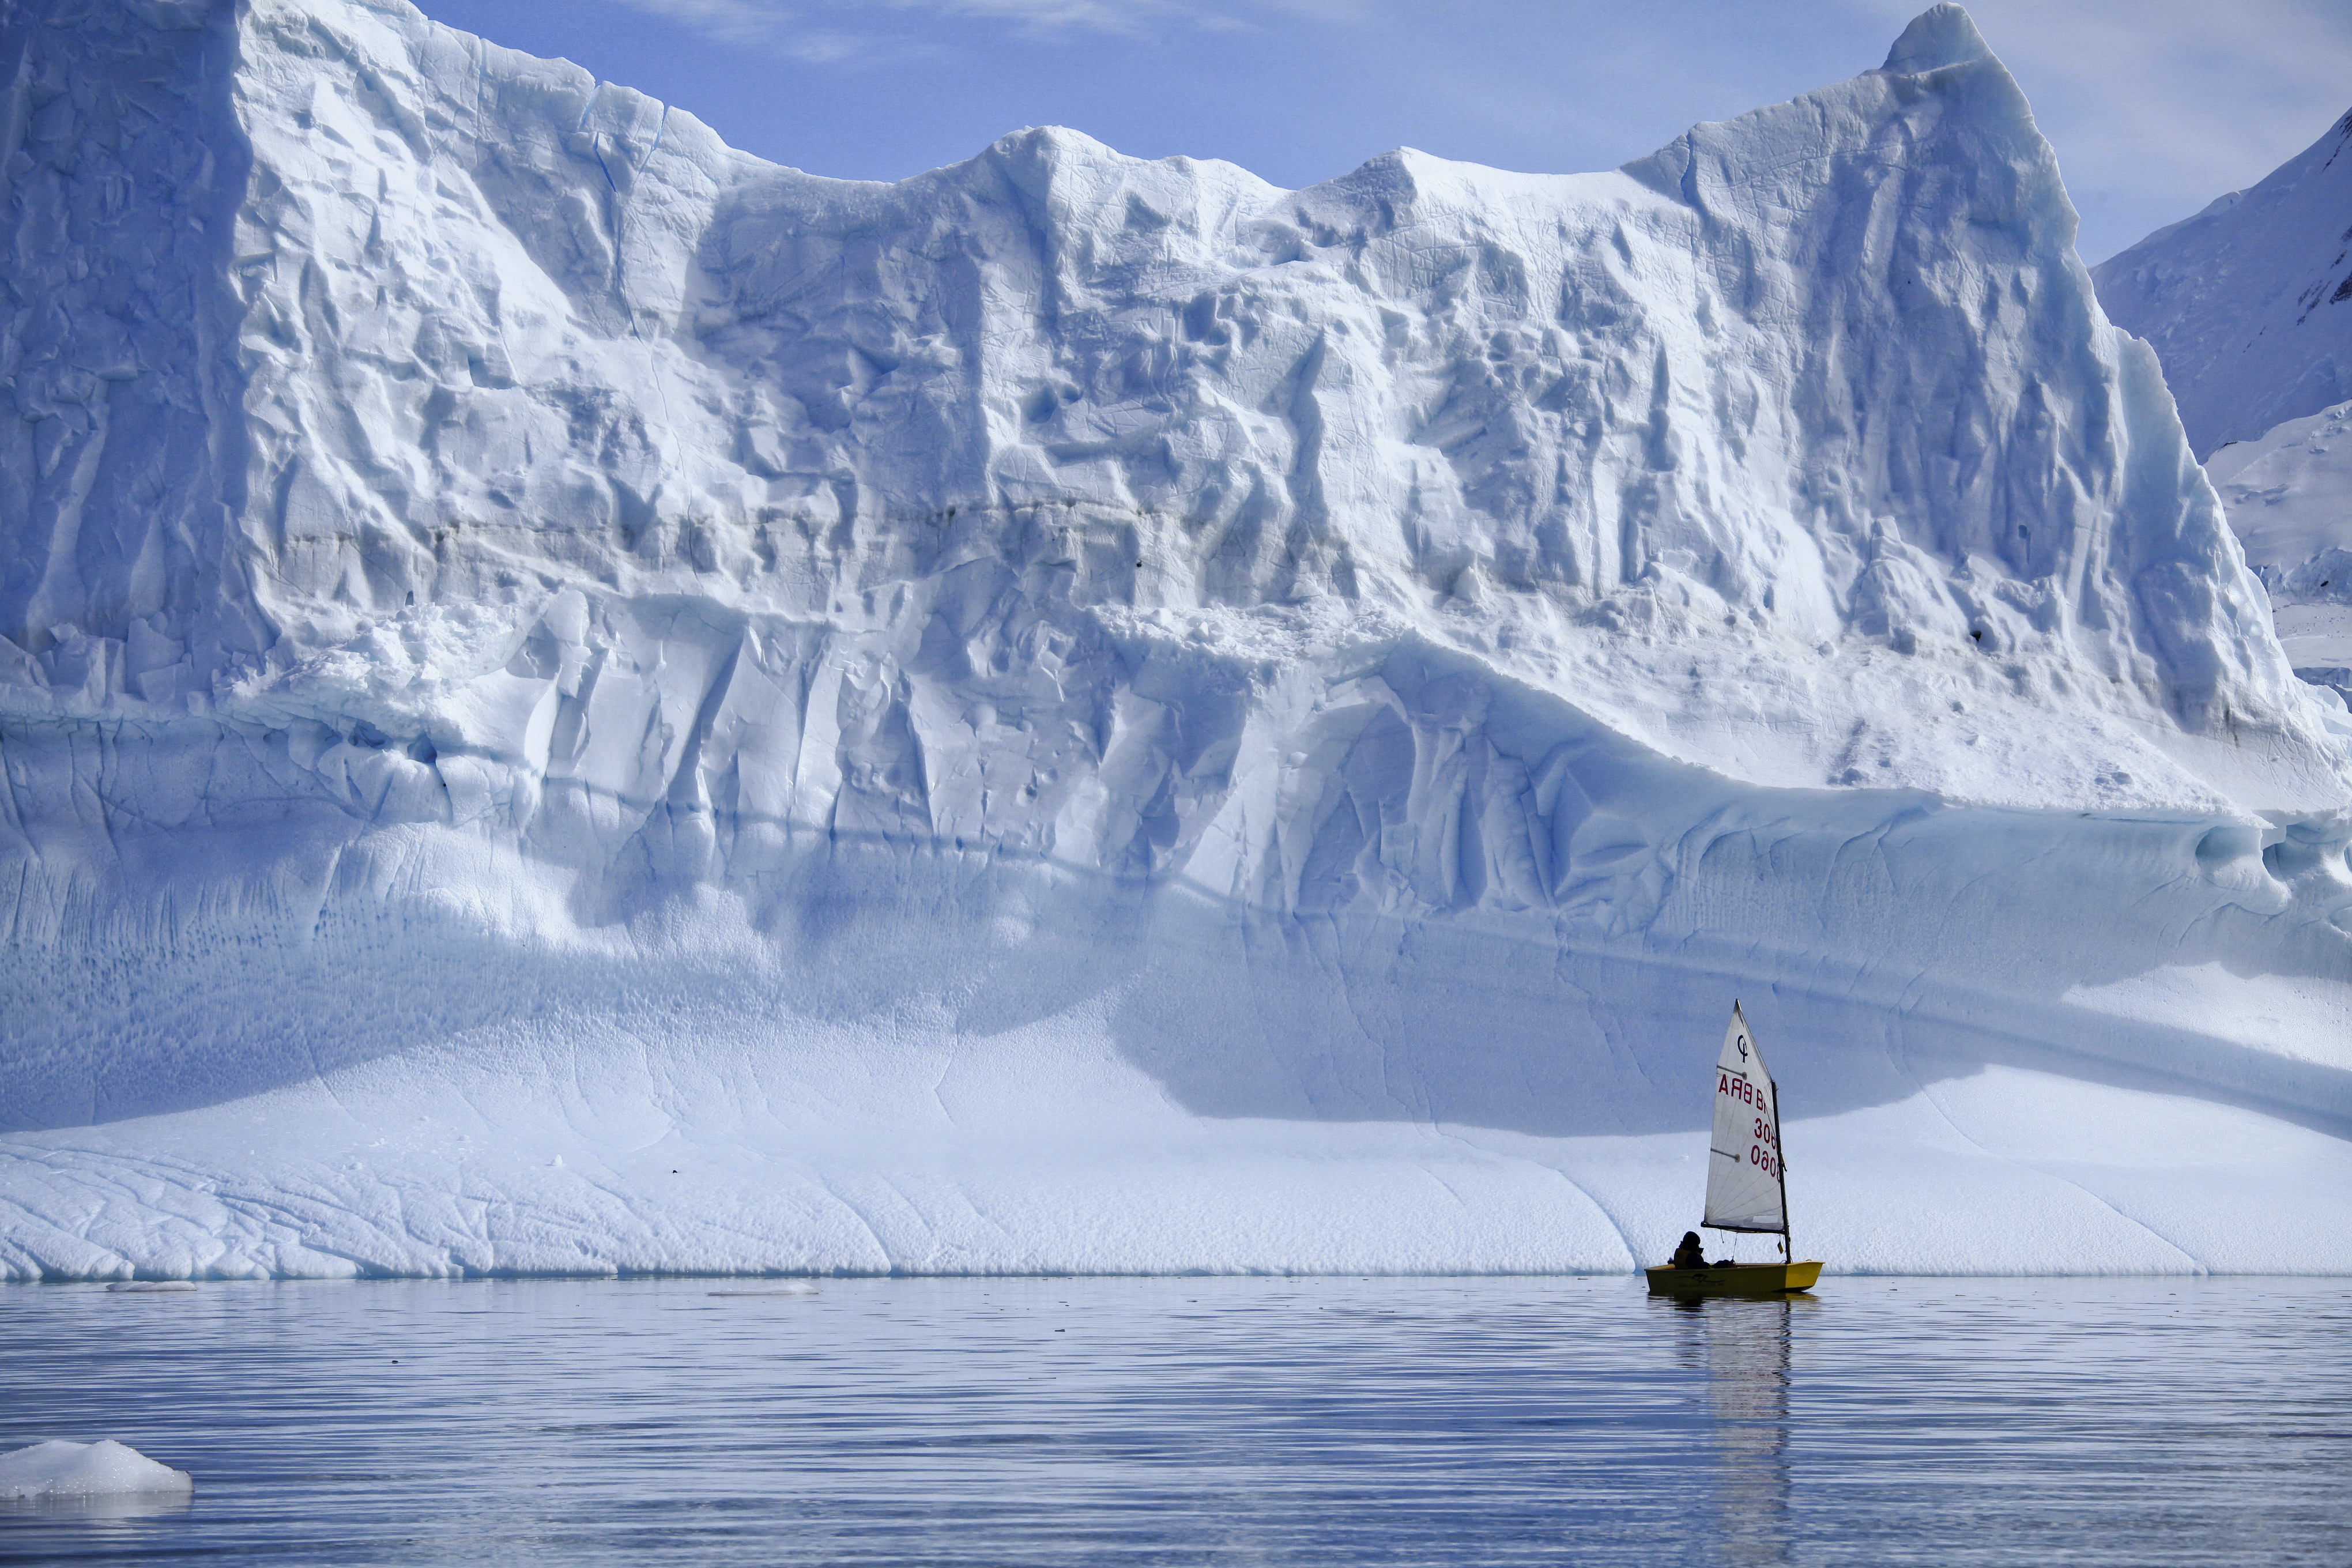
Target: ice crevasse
{"points": [[577, 701]]}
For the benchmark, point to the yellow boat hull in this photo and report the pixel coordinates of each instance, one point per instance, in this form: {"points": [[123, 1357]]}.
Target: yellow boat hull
{"points": [[1736, 1279]]}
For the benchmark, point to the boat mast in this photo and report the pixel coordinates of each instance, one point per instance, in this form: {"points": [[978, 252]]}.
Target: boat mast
{"points": [[1780, 1167]]}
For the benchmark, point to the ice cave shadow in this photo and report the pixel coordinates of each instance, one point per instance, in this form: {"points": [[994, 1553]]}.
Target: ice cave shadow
{"points": [[1619, 1045], [1472, 1018], [252, 958], [1623, 1043], [1468, 1019], [1534, 922]]}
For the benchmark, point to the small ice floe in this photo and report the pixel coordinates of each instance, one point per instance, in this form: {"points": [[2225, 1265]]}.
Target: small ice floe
{"points": [[793, 1289], [152, 1287], [67, 1472]]}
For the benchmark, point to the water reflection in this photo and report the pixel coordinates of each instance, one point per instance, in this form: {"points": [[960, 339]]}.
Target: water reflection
{"points": [[1742, 1349], [1516, 1423], [105, 1507]]}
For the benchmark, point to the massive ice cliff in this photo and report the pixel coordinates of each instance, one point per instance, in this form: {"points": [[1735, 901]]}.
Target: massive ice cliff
{"points": [[573, 699]]}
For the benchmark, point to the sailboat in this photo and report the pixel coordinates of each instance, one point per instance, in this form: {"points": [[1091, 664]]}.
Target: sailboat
{"points": [[1747, 1183]]}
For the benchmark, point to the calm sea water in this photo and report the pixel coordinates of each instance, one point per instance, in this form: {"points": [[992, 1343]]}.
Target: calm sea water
{"points": [[1160, 1421]]}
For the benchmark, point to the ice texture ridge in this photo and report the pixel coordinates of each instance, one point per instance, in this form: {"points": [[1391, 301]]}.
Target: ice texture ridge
{"points": [[573, 699]]}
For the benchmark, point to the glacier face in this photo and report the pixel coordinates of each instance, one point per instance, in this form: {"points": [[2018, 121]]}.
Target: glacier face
{"points": [[575, 700]]}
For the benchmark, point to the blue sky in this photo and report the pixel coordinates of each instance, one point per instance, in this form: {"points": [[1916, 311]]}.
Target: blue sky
{"points": [[2155, 106]]}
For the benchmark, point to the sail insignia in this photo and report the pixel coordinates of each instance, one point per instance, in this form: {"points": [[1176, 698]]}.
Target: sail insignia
{"points": [[1744, 1178]]}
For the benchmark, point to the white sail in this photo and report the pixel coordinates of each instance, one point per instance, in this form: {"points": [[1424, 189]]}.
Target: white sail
{"points": [[1743, 1190]]}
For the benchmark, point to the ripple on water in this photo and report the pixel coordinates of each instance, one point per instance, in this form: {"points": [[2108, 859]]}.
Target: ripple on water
{"points": [[1310, 1421]]}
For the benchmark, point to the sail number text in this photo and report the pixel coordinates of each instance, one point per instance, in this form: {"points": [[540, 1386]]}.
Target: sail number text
{"points": [[1764, 1140], [1739, 1089]]}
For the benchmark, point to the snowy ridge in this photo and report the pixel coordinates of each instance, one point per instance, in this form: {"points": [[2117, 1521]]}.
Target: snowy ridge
{"points": [[2249, 303], [575, 700]]}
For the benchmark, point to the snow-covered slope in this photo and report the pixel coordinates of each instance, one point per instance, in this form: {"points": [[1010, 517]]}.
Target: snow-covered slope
{"points": [[2249, 303], [2289, 496], [576, 699]]}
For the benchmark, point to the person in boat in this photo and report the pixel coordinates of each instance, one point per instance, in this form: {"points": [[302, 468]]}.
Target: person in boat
{"points": [[1689, 1255]]}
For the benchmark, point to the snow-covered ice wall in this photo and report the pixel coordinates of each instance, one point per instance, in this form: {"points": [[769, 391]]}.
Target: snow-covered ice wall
{"points": [[575, 700]]}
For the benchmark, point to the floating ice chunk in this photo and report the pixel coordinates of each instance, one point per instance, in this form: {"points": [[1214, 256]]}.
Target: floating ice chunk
{"points": [[62, 1469], [776, 1290], [152, 1287]]}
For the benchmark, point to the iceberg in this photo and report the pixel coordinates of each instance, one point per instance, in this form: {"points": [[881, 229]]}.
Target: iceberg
{"points": [[63, 1470], [576, 701]]}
